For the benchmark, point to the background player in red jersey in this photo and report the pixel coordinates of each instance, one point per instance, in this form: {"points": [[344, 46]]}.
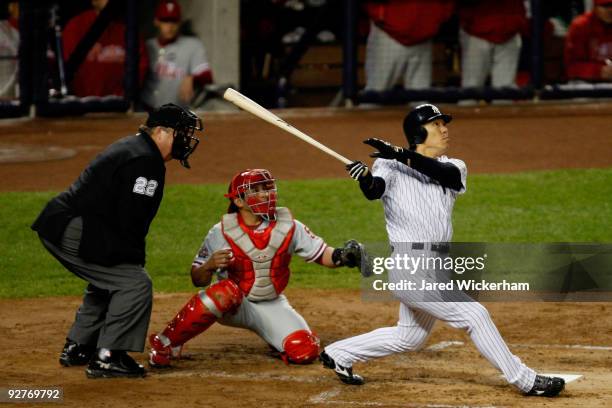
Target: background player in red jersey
{"points": [[490, 41], [588, 47], [102, 71], [399, 46]]}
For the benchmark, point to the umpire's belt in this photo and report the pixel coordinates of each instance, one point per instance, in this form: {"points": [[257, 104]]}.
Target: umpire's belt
{"points": [[441, 247]]}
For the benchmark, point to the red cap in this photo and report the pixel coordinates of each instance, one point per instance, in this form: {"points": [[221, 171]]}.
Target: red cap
{"points": [[168, 10], [602, 2]]}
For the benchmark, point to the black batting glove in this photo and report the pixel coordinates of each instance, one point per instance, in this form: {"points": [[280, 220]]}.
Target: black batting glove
{"points": [[358, 171], [388, 151]]}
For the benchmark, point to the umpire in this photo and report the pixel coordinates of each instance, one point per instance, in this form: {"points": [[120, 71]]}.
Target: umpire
{"points": [[97, 230]]}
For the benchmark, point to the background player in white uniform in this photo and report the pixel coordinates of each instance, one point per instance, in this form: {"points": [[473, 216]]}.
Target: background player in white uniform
{"points": [[418, 187], [178, 63], [251, 248]]}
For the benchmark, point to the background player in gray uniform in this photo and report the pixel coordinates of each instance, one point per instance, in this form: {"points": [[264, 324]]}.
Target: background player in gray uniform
{"points": [[418, 187], [178, 64], [250, 250]]}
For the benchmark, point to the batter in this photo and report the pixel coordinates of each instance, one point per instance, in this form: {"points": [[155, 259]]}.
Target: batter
{"points": [[418, 187]]}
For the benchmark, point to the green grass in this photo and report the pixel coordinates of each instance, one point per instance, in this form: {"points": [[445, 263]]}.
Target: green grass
{"points": [[555, 206]]}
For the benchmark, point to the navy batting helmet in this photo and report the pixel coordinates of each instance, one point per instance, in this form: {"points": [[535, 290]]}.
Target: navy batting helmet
{"points": [[416, 118]]}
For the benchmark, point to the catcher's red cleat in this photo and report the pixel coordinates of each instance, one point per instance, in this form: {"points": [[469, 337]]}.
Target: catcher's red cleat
{"points": [[160, 355]]}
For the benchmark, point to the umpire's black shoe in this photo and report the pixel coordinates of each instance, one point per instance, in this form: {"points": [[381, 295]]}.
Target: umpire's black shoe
{"points": [[114, 364], [75, 354], [344, 373], [547, 386]]}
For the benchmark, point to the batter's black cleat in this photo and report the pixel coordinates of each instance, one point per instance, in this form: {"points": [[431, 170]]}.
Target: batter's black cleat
{"points": [[547, 386], [113, 365], [344, 373], [75, 354]]}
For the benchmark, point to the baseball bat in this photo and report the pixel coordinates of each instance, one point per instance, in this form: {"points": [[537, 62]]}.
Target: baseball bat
{"points": [[256, 109]]}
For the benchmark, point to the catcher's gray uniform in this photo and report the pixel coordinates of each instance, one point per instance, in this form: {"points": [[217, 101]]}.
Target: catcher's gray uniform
{"points": [[169, 65], [273, 319]]}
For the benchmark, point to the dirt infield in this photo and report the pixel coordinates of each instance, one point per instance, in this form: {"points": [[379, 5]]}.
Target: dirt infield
{"points": [[230, 367], [500, 139]]}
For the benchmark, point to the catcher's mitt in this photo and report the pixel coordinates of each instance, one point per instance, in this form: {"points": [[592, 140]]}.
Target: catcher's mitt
{"points": [[353, 254]]}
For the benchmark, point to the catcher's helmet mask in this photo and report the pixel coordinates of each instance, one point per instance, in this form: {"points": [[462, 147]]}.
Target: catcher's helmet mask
{"points": [[184, 123], [257, 189], [414, 130]]}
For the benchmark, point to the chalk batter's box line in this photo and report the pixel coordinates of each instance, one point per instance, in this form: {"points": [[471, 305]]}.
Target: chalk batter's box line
{"points": [[324, 398], [445, 344]]}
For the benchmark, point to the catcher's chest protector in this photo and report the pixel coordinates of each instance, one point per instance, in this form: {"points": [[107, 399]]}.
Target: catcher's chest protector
{"points": [[261, 273]]}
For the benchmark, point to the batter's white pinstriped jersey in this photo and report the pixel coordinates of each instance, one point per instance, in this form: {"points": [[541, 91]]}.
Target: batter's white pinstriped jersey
{"points": [[416, 208]]}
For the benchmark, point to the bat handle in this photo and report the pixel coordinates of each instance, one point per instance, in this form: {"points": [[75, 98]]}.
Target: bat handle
{"points": [[340, 157]]}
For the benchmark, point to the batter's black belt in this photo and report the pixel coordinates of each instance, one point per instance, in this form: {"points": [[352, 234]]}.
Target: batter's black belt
{"points": [[442, 247]]}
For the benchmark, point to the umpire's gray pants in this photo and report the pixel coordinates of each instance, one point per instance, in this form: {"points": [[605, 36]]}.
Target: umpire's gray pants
{"points": [[116, 307]]}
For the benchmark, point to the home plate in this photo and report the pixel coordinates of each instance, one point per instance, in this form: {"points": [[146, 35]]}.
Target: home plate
{"points": [[567, 377]]}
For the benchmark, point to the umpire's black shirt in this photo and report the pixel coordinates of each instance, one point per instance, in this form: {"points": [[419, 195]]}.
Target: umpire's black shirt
{"points": [[117, 196]]}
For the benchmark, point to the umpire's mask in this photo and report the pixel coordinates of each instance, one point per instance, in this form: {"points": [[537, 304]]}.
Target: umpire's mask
{"points": [[184, 123]]}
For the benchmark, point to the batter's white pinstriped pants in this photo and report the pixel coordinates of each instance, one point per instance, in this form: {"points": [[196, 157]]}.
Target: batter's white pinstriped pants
{"points": [[416, 320]]}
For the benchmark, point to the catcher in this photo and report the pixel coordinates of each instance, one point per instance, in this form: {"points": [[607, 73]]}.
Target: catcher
{"points": [[250, 250]]}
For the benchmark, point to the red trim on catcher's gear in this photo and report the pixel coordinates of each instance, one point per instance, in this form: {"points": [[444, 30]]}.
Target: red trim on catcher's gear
{"points": [[190, 321], [241, 269], [259, 237], [195, 317], [301, 347], [226, 296]]}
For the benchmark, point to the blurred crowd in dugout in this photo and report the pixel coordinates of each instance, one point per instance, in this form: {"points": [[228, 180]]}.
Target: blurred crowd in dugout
{"points": [[487, 43], [173, 67], [493, 40]]}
